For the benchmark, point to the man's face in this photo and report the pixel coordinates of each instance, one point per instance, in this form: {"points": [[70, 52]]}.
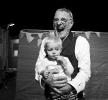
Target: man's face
{"points": [[62, 21]]}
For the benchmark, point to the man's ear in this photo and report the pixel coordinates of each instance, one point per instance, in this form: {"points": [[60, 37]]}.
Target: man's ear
{"points": [[71, 24]]}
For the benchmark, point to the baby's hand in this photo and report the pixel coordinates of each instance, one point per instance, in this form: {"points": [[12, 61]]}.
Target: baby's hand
{"points": [[61, 59], [46, 73]]}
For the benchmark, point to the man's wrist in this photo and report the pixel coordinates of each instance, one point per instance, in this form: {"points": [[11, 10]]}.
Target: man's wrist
{"points": [[73, 89]]}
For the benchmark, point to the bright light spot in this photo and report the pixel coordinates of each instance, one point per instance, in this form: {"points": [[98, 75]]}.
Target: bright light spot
{"points": [[15, 52]]}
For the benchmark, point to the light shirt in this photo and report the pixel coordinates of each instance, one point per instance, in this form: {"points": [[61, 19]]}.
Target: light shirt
{"points": [[82, 53]]}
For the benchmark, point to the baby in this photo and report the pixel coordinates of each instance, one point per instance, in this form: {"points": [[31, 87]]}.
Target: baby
{"points": [[54, 61]]}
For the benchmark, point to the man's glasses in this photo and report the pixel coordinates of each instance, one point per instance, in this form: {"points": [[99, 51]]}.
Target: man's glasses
{"points": [[62, 19]]}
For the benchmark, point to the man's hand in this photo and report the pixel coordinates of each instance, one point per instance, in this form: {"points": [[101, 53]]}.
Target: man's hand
{"points": [[65, 89], [49, 80], [55, 81], [59, 82]]}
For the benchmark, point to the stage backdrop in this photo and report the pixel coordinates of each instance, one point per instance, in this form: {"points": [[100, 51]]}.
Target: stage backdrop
{"points": [[27, 88]]}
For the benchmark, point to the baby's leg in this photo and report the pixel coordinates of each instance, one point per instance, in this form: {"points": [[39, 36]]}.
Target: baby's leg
{"points": [[57, 90]]}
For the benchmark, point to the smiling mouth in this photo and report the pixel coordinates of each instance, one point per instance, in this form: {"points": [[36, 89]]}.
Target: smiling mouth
{"points": [[59, 29]]}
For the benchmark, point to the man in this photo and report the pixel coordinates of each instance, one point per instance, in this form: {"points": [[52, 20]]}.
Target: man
{"points": [[77, 49]]}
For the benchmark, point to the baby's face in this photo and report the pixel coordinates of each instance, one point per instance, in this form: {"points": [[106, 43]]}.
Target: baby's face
{"points": [[53, 50]]}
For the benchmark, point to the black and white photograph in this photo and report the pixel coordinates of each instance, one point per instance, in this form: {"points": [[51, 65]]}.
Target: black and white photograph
{"points": [[53, 50]]}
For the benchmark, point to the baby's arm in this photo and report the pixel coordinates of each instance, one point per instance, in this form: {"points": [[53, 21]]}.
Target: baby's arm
{"points": [[68, 68], [40, 68], [41, 72], [66, 65]]}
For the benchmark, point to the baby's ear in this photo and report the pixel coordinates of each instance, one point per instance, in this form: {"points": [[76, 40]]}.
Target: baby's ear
{"points": [[61, 49]]}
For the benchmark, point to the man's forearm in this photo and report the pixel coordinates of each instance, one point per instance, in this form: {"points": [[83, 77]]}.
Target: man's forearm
{"points": [[79, 81]]}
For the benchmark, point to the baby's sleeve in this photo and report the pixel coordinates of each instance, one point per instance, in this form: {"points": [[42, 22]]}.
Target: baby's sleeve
{"points": [[39, 69], [39, 63], [38, 73], [69, 66]]}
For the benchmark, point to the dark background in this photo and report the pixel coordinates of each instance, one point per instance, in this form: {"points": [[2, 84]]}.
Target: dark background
{"points": [[38, 14]]}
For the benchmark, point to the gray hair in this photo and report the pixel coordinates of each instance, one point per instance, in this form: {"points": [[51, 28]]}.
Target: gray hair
{"points": [[66, 10]]}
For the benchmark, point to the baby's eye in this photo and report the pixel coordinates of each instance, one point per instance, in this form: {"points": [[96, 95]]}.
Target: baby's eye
{"points": [[49, 49], [57, 49]]}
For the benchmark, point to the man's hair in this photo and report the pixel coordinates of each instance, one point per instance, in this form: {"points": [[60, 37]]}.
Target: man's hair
{"points": [[66, 10]]}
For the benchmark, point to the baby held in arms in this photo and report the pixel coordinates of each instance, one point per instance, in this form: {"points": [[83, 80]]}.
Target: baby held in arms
{"points": [[53, 61]]}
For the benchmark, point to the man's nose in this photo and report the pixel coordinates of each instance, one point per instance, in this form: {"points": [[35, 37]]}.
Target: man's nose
{"points": [[59, 22]]}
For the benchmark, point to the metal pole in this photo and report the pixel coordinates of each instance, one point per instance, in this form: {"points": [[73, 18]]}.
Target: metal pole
{"points": [[7, 43]]}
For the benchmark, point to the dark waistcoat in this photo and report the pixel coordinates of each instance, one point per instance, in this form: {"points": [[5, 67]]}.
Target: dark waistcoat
{"points": [[69, 51]]}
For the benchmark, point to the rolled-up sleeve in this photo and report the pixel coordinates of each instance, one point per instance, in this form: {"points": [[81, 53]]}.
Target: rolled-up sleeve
{"points": [[82, 52]]}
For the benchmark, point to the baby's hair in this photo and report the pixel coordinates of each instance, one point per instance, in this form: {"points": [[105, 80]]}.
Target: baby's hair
{"points": [[53, 39]]}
